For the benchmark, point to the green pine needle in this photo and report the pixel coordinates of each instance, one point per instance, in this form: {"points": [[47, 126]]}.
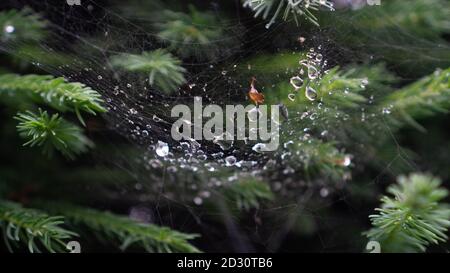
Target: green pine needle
{"points": [[21, 25], [413, 218], [56, 92], [126, 231], [52, 132], [163, 68], [286, 9], [33, 228], [420, 99], [193, 34], [247, 194]]}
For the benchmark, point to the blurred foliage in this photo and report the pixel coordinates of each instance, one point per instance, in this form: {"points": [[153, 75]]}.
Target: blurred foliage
{"points": [[126, 231], [286, 9], [414, 217], [193, 34], [408, 35], [163, 68], [22, 25], [248, 193]]}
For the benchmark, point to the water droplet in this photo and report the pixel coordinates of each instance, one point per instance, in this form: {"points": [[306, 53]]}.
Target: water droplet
{"points": [[312, 72], [319, 57], [324, 192], [313, 116], [162, 148], [386, 111], [230, 160], [284, 111], [198, 201], [296, 82], [133, 111], [99, 77], [291, 97], [258, 147], [156, 118], [346, 161], [9, 29], [286, 144], [310, 93]]}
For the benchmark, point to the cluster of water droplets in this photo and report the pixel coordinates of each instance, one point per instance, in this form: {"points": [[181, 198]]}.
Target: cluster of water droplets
{"points": [[310, 72]]}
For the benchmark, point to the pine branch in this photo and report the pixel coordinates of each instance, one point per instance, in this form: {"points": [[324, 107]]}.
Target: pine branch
{"points": [[413, 218], [52, 132], [56, 92], [287, 9], [314, 156], [408, 35], [193, 34], [23, 25], [32, 228], [163, 68], [127, 232], [336, 88], [420, 99], [249, 193]]}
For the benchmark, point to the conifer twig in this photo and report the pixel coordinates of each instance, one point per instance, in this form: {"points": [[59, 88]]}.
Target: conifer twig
{"points": [[56, 92], [163, 68], [123, 230], [32, 227], [414, 217], [52, 132]]}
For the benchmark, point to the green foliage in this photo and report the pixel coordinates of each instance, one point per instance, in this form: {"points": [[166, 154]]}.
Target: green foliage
{"points": [[314, 156], [286, 9], [420, 99], [337, 87], [426, 19], [33, 228], [413, 218], [56, 92], [248, 193], [193, 34], [52, 132], [408, 35], [270, 67], [163, 68], [126, 231], [21, 25]]}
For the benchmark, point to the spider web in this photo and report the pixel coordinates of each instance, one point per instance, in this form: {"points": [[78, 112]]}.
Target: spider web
{"points": [[89, 34]]}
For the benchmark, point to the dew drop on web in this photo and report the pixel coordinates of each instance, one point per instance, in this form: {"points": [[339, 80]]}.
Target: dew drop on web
{"points": [[296, 82], [230, 160], [258, 147], [9, 29], [291, 97], [162, 149], [198, 201], [156, 118], [312, 72], [310, 93]]}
